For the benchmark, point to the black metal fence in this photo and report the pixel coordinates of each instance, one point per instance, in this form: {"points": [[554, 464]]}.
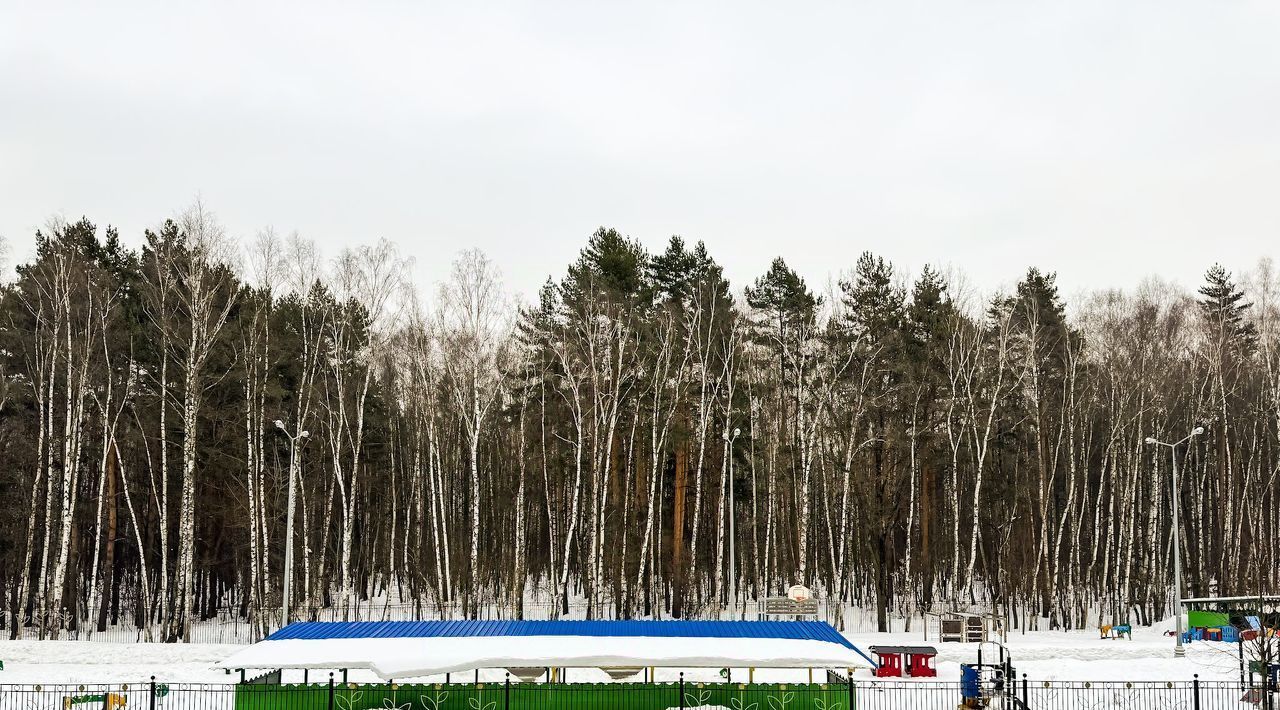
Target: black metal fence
{"points": [[1071, 695], [861, 695]]}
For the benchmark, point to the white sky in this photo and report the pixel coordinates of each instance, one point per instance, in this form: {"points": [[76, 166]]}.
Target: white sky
{"points": [[1105, 140]]}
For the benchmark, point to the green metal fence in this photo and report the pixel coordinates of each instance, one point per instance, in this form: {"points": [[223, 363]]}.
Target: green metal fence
{"points": [[522, 696]]}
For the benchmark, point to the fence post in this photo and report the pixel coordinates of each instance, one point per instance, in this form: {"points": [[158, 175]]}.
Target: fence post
{"points": [[152, 695], [681, 690], [1267, 687], [849, 678], [506, 696], [1024, 689], [1195, 691], [330, 690], [1240, 655]]}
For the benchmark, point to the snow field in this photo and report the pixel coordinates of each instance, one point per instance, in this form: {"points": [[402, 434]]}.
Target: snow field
{"points": [[1041, 655]]}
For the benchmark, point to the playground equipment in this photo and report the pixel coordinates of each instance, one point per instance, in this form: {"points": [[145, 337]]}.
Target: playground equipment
{"points": [[984, 684], [1110, 631], [919, 661], [1255, 631], [1231, 619], [961, 627], [107, 701], [799, 602]]}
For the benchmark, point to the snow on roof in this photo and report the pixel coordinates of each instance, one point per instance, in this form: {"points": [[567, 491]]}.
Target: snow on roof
{"points": [[404, 649]]}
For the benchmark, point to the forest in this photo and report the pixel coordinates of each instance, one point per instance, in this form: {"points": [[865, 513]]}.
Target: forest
{"points": [[640, 439]]}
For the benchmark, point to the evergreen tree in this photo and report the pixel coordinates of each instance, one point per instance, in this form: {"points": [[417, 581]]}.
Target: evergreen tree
{"points": [[1222, 304], [611, 267], [900, 454]]}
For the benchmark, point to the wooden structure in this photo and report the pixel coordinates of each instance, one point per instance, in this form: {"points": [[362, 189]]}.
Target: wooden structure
{"points": [[963, 627], [786, 606]]}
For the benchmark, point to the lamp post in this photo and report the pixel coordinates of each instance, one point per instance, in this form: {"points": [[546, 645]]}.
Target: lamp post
{"points": [[286, 596], [733, 569], [1178, 651]]}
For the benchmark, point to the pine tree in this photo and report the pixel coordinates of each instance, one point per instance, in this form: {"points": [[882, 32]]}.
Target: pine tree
{"points": [[611, 267], [1222, 304], [874, 303]]}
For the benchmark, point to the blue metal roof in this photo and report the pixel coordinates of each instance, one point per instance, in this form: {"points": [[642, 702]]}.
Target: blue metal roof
{"points": [[796, 630]]}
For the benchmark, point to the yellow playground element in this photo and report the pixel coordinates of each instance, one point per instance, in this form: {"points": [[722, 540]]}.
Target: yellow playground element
{"points": [[110, 701]]}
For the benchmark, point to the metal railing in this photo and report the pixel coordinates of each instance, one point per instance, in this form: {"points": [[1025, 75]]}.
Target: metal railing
{"points": [[236, 625], [1069, 695], [682, 695], [227, 627]]}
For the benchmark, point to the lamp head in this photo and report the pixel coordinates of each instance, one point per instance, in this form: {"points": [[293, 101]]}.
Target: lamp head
{"points": [[280, 425], [304, 434], [736, 431], [1150, 440], [1197, 431]]}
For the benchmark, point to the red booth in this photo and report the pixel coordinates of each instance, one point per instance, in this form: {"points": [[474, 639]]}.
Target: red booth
{"points": [[888, 661], [919, 661]]}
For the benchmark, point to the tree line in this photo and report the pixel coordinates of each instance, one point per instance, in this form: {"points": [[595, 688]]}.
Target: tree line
{"points": [[897, 444]]}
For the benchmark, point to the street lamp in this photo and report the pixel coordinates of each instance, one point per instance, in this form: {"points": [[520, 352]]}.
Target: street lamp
{"points": [[1178, 651], [286, 597], [733, 570]]}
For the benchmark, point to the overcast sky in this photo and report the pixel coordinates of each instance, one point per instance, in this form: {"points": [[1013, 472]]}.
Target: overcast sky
{"points": [[1105, 140]]}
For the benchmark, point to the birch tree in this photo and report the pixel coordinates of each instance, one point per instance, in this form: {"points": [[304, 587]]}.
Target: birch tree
{"points": [[475, 331]]}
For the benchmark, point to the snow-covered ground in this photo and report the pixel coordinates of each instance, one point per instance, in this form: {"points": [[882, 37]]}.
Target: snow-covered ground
{"points": [[1042, 655], [1081, 656], [51, 662]]}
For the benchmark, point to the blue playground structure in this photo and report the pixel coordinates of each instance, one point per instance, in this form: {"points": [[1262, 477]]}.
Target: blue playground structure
{"points": [[981, 683], [1227, 633]]}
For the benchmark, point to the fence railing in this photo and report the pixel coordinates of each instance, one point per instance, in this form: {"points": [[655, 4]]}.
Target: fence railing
{"points": [[226, 628], [860, 695], [1071, 695], [235, 625]]}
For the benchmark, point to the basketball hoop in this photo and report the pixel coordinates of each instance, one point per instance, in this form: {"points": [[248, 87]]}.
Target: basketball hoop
{"points": [[799, 593]]}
